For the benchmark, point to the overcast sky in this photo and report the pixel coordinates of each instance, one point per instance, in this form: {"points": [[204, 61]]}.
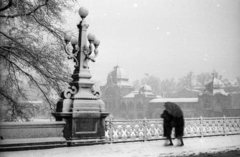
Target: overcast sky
{"points": [[164, 38]]}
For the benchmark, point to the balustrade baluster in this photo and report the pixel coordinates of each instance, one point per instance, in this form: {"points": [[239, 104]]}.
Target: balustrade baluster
{"points": [[224, 126], [145, 129], [111, 131], [201, 126]]}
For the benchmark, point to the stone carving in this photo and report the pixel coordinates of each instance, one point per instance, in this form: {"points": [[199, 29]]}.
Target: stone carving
{"points": [[70, 91]]}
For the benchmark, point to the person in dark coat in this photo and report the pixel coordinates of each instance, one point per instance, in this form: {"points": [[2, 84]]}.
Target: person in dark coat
{"points": [[178, 123], [178, 120], [167, 126]]}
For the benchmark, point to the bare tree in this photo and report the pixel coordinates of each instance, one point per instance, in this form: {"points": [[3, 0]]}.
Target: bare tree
{"points": [[238, 81], [136, 85], [217, 75], [186, 81], [153, 82], [203, 79], [31, 48], [167, 86]]}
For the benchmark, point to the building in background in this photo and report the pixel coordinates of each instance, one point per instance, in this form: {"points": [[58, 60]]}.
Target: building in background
{"points": [[123, 102], [116, 87]]}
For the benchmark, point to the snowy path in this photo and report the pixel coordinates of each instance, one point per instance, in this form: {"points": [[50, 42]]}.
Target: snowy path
{"points": [[136, 149]]}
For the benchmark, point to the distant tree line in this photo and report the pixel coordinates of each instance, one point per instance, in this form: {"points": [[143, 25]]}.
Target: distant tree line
{"points": [[191, 81]]}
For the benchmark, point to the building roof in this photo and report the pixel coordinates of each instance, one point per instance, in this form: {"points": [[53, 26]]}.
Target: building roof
{"points": [[131, 94], [163, 100]]}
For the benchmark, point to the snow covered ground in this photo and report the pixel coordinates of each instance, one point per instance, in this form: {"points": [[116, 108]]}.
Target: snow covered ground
{"points": [[138, 149]]}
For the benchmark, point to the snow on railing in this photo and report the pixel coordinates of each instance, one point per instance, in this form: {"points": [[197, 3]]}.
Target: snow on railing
{"points": [[152, 129]]}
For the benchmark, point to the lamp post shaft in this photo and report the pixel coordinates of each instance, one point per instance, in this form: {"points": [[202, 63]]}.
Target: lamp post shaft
{"points": [[82, 40], [80, 71]]}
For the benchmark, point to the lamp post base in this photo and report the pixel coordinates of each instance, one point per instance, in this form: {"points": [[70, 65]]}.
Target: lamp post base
{"points": [[85, 142], [83, 128]]}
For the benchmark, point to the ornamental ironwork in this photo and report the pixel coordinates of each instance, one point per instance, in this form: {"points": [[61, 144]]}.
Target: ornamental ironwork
{"points": [[152, 129]]}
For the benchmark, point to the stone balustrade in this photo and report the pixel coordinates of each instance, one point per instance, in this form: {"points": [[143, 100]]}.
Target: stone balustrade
{"points": [[31, 134]]}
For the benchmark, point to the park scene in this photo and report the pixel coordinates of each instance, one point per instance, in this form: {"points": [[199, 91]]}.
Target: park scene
{"points": [[119, 78]]}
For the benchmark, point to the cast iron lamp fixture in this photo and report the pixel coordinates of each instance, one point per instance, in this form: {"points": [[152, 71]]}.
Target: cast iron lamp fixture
{"points": [[87, 50], [81, 53]]}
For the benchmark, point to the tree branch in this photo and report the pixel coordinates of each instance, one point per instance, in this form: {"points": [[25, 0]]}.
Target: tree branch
{"points": [[30, 77], [27, 14], [7, 6], [6, 96], [49, 29], [19, 44]]}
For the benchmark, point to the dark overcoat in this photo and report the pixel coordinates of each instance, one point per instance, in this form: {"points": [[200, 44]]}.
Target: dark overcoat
{"points": [[179, 126], [167, 126]]}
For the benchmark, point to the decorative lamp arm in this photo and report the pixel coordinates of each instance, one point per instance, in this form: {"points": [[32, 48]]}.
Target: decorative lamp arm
{"points": [[88, 51], [75, 51]]}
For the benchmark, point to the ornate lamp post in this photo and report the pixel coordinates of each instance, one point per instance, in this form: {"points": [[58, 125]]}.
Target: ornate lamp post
{"points": [[80, 106]]}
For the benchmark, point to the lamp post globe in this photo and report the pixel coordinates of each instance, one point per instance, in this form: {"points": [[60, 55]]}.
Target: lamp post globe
{"points": [[96, 42], [74, 41], [67, 37], [83, 12], [91, 37]]}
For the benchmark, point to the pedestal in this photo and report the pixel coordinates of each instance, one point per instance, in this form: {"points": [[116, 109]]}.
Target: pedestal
{"points": [[83, 128]]}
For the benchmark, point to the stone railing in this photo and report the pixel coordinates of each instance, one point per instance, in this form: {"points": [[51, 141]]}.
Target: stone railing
{"points": [[31, 134], [152, 129]]}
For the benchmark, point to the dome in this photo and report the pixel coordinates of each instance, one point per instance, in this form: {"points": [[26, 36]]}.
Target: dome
{"points": [[145, 88], [217, 84], [118, 76], [119, 73]]}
